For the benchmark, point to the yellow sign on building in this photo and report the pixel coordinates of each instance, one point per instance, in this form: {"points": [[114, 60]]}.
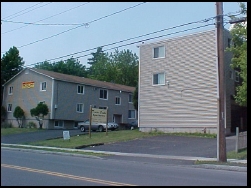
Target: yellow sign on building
{"points": [[27, 85]]}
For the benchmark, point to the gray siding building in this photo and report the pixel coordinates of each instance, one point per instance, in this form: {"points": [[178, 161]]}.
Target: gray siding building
{"points": [[178, 84], [68, 97]]}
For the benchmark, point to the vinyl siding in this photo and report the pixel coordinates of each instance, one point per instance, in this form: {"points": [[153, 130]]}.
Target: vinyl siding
{"points": [[190, 99], [62, 91], [27, 98]]}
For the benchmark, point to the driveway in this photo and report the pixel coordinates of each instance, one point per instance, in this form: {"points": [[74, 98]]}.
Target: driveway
{"points": [[157, 145]]}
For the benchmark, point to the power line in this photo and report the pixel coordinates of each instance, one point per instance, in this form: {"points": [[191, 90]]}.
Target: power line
{"points": [[48, 17], [204, 20], [43, 24], [133, 42], [86, 24], [30, 10], [22, 10]]}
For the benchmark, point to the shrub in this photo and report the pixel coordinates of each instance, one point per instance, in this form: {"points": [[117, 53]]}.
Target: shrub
{"points": [[6, 125], [31, 125]]}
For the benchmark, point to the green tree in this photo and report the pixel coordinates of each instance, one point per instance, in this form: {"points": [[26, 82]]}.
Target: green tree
{"points": [[98, 62], [126, 67], [11, 64], [239, 60], [19, 115], [70, 66], [39, 112]]}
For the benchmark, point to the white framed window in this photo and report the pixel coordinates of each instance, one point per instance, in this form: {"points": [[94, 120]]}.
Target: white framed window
{"points": [[103, 107], [10, 91], [42, 86], [231, 74], [159, 79], [59, 123], [80, 89], [80, 108], [131, 114], [103, 94], [130, 98], [9, 108], [117, 100], [237, 76], [159, 52]]}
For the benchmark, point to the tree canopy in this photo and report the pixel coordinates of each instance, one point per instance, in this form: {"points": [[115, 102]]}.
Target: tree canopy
{"points": [[239, 60], [39, 112], [11, 64], [19, 115], [70, 66]]}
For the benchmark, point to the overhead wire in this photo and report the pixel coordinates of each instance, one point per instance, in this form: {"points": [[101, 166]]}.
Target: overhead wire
{"points": [[143, 40], [174, 27], [204, 20], [22, 10], [85, 24], [31, 10], [44, 18]]}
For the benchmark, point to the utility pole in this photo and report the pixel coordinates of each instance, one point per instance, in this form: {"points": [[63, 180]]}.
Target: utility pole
{"points": [[221, 139]]}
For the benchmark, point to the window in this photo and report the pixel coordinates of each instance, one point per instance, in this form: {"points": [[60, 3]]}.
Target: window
{"points": [[237, 76], [80, 108], [43, 86], [159, 79], [9, 108], [231, 75], [117, 100], [59, 123], [159, 52], [131, 114], [103, 94], [10, 90], [130, 98], [80, 89]]}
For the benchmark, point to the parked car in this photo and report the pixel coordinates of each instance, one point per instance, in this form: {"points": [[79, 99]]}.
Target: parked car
{"points": [[83, 126], [133, 125]]}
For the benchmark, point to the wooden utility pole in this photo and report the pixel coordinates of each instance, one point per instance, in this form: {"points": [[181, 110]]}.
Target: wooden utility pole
{"points": [[221, 139]]}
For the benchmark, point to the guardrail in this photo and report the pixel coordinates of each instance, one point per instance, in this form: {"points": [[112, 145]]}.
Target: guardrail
{"points": [[241, 140]]}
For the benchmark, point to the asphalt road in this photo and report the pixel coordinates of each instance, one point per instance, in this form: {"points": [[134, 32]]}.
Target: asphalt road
{"points": [[157, 145]]}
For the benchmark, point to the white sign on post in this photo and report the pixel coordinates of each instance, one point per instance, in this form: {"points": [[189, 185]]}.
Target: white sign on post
{"points": [[66, 135]]}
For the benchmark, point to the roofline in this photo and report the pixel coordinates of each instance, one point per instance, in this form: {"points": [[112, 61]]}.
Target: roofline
{"points": [[14, 77], [34, 70]]}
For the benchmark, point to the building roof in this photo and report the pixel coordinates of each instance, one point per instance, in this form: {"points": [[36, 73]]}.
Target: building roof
{"points": [[82, 80]]}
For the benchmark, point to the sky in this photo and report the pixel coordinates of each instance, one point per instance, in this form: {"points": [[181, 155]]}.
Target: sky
{"points": [[54, 31]]}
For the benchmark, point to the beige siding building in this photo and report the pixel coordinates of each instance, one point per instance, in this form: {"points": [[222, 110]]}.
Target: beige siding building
{"points": [[178, 84]]}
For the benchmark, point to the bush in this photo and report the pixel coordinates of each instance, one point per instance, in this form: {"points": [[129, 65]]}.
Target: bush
{"points": [[31, 125], [6, 125]]}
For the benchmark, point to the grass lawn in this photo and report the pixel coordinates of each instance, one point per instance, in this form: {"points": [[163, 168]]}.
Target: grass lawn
{"points": [[8, 131], [110, 137]]}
